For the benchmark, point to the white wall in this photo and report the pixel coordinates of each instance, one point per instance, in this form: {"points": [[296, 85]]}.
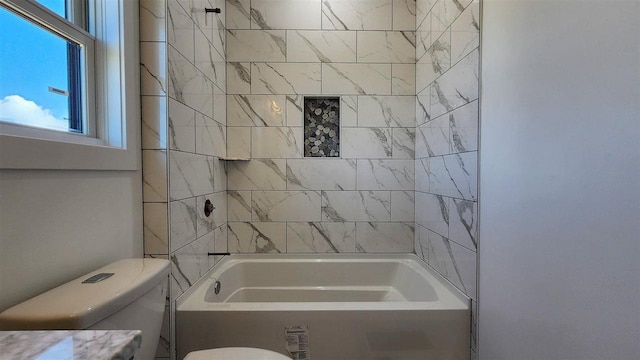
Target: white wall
{"points": [[560, 180], [58, 225]]}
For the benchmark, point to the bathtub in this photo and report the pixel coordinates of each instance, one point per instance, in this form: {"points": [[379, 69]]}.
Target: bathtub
{"points": [[327, 307]]}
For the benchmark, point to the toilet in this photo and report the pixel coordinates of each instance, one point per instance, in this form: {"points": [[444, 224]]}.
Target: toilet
{"points": [[129, 294], [235, 353]]}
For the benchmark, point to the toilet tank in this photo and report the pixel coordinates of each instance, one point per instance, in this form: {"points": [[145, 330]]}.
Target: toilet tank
{"points": [[129, 294]]}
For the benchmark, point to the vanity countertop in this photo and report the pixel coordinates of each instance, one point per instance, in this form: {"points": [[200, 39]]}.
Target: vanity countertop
{"points": [[69, 344]]}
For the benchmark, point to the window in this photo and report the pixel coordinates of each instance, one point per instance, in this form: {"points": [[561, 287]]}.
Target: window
{"points": [[69, 84], [47, 69]]}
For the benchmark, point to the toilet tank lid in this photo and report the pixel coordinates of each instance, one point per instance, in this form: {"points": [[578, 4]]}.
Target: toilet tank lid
{"points": [[78, 305]]}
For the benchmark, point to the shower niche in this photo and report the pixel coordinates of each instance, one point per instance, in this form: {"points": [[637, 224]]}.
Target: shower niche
{"points": [[322, 126]]}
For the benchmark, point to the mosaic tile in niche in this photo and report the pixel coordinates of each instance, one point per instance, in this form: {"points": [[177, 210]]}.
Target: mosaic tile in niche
{"points": [[322, 127]]}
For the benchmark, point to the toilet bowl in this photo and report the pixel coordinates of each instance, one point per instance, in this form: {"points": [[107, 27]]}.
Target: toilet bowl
{"points": [[235, 353]]}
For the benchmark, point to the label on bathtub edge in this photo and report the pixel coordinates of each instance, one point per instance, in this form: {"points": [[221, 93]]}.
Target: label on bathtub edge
{"points": [[297, 341]]}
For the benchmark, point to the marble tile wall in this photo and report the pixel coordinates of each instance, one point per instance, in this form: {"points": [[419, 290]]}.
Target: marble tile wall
{"points": [[278, 52], [446, 142], [184, 115]]}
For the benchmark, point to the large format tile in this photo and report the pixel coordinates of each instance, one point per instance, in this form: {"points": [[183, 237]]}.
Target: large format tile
{"points": [[180, 30], [153, 66], [211, 137], [239, 142], [440, 181], [356, 79], [219, 105], [257, 237], [380, 237], [293, 110], [238, 78], [256, 45], [422, 175], [256, 110], [463, 226], [438, 57], [465, 32], [209, 60], [387, 47], [403, 206], [432, 138], [190, 175], [210, 24], [183, 222], [423, 107], [357, 15], [154, 122], [349, 111], [403, 79], [464, 128], [182, 127], [152, 20], [285, 14], [386, 111], [423, 38], [421, 242], [156, 228], [457, 87], [285, 205], [257, 174], [454, 262], [219, 174], [321, 174], [366, 143], [276, 142], [154, 175], [356, 206], [238, 14], [423, 7], [190, 263], [403, 143], [189, 85], [463, 172], [218, 34], [220, 235], [444, 12], [321, 237], [404, 14], [432, 212], [385, 174], [289, 78], [323, 46], [239, 205], [217, 218]]}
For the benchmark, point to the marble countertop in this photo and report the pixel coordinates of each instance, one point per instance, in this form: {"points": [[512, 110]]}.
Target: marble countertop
{"points": [[67, 344]]}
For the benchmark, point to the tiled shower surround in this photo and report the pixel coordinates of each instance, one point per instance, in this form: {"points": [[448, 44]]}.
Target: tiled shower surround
{"points": [[183, 138], [280, 51], [446, 149], [232, 86]]}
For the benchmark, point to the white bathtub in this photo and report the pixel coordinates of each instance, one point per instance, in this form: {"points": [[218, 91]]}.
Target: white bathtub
{"points": [[354, 307]]}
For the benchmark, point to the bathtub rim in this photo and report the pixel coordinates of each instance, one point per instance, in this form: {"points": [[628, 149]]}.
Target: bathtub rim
{"points": [[186, 301]]}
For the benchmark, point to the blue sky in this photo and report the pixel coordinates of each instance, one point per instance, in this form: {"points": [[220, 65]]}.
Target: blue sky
{"points": [[31, 60]]}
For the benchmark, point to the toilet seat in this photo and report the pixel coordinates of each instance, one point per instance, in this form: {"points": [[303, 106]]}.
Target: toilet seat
{"points": [[235, 353]]}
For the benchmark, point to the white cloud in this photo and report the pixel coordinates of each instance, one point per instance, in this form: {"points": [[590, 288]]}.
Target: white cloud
{"points": [[16, 109]]}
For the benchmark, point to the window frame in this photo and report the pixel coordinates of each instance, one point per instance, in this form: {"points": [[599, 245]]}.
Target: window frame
{"points": [[111, 140]]}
